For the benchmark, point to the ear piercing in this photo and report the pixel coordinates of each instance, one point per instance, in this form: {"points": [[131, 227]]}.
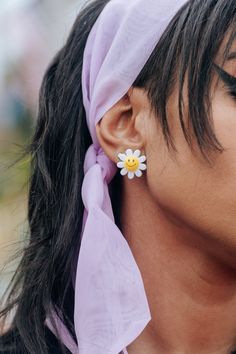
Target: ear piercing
{"points": [[131, 163]]}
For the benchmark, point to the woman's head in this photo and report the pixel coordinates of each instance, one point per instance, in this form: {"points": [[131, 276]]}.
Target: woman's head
{"points": [[191, 172], [184, 57]]}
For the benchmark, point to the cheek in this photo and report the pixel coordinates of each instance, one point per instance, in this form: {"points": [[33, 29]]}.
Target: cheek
{"points": [[197, 195]]}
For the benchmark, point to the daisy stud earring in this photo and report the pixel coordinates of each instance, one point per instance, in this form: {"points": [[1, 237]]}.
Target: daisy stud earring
{"points": [[131, 163]]}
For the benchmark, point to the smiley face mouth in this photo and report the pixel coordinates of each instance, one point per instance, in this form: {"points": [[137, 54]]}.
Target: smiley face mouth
{"points": [[131, 165]]}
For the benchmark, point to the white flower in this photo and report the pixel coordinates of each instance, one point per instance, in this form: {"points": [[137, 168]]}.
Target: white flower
{"points": [[131, 163]]}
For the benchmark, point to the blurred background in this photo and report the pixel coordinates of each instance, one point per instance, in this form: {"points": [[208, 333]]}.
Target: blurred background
{"points": [[31, 31]]}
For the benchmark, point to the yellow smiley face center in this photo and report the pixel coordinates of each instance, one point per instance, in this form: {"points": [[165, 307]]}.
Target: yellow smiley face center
{"points": [[131, 163]]}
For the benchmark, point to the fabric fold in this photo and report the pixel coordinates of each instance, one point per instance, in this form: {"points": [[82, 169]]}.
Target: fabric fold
{"points": [[111, 307]]}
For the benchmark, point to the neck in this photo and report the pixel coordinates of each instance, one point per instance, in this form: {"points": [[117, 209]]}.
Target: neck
{"points": [[191, 293]]}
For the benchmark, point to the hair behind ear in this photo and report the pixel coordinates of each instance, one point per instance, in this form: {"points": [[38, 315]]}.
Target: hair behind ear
{"points": [[43, 279]]}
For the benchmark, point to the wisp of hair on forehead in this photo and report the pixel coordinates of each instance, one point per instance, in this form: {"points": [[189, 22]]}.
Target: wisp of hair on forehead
{"points": [[186, 51]]}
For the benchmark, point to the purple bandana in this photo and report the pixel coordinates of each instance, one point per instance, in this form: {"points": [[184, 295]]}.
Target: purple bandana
{"points": [[111, 307]]}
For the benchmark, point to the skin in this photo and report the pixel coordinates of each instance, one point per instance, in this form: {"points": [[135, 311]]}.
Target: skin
{"points": [[179, 221]]}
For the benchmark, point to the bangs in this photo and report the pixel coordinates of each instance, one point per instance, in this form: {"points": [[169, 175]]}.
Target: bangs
{"points": [[187, 51]]}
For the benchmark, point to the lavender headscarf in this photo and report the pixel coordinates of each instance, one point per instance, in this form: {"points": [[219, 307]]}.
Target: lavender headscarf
{"points": [[111, 307]]}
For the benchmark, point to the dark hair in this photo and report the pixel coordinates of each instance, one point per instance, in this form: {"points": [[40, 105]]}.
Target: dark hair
{"points": [[186, 49]]}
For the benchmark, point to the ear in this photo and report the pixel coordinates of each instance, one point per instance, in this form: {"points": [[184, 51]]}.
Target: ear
{"points": [[122, 127]]}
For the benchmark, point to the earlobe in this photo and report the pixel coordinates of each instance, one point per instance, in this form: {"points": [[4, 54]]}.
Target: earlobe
{"points": [[117, 131]]}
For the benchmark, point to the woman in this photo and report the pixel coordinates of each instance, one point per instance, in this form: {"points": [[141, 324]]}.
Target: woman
{"points": [[172, 132]]}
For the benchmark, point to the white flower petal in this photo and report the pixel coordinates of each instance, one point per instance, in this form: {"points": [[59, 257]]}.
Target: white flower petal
{"points": [[122, 156], [130, 175], [142, 158], [129, 152], [142, 166], [123, 172], [138, 173], [137, 153], [120, 164]]}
